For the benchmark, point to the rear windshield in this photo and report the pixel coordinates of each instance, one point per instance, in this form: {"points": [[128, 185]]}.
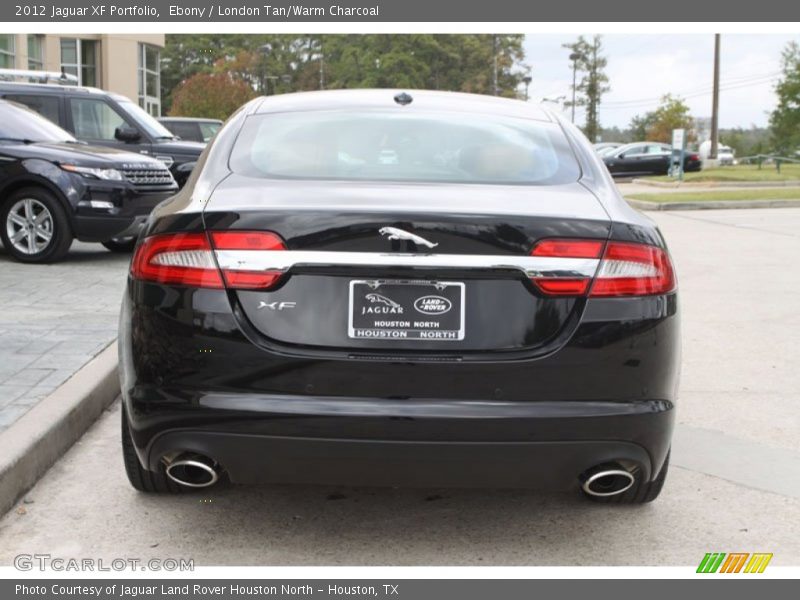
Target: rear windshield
{"points": [[404, 146]]}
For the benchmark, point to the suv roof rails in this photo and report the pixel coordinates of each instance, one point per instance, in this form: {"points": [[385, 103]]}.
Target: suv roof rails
{"points": [[40, 76]]}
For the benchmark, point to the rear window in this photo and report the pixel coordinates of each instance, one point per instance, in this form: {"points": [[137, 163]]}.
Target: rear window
{"points": [[404, 146]]}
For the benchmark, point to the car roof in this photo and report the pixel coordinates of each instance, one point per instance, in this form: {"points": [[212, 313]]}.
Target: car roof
{"points": [[365, 99], [643, 143], [57, 89]]}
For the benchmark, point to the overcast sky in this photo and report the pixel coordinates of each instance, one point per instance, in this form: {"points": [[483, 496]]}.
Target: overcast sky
{"points": [[642, 68]]}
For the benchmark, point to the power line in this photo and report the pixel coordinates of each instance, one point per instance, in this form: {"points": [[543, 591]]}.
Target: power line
{"points": [[706, 92], [756, 79]]}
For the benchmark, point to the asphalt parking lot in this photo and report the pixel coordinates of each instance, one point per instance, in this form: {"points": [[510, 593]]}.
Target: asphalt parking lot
{"points": [[734, 484]]}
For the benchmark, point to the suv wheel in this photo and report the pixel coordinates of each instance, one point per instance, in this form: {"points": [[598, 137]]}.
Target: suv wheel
{"points": [[34, 227]]}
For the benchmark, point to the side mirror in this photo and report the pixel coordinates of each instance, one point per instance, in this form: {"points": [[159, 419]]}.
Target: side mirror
{"points": [[127, 134]]}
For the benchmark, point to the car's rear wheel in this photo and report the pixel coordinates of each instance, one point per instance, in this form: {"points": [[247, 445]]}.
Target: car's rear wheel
{"points": [[641, 492], [121, 245], [140, 478], [34, 226]]}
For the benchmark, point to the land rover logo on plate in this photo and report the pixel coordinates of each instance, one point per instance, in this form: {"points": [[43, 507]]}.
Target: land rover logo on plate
{"points": [[433, 305]]}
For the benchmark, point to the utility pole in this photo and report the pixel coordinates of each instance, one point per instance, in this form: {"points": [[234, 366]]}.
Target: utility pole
{"points": [[715, 103], [495, 89]]}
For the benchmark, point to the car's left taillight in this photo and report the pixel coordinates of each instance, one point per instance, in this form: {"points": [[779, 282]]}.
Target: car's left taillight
{"points": [[188, 259]]}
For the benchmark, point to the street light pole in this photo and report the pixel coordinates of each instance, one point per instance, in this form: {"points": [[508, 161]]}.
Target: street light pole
{"points": [[321, 65], [527, 81], [265, 49], [574, 58]]}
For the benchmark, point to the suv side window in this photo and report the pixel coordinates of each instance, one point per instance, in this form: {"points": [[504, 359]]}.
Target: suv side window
{"points": [[94, 119], [47, 106], [207, 131], [185, 131]]}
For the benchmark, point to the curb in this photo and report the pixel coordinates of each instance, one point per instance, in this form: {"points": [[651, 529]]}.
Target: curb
{"points": [[704, 185], [42, 435], [712, 204]]}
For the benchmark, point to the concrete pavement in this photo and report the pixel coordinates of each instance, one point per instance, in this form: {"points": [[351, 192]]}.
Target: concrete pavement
{"points": [[54, 319]]}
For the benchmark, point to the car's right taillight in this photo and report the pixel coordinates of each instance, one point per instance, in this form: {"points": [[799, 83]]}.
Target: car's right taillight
{"points": [[630, 269], [188, 259], [622, 268]]}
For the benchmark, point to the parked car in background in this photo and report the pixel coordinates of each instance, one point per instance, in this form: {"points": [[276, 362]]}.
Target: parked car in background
{"points": [[54, 188], [400, 288], [105, 119], [646, 158], [192, 129]]}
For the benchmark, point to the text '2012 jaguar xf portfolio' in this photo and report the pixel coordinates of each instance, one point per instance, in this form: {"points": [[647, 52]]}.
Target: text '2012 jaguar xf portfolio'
{"points": [[400, 288]]}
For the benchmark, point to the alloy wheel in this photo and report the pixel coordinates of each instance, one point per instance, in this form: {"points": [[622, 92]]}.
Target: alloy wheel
{"points": [[30, 226]]}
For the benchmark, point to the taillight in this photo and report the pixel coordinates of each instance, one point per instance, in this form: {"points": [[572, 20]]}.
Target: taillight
{"points": [[625, 269], [188, 259], [243, 241], [629, 269]]}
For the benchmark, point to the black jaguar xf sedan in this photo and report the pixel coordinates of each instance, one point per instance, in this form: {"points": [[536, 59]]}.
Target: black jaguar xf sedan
{"points": [[400, 288]]}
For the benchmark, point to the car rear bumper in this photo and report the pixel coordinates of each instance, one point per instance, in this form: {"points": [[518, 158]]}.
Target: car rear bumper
{"points": [[191, 381], [364, 441], [248, 458]]}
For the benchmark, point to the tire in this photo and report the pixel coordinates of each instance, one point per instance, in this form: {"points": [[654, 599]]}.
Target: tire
{"points": [[121, 245], [641, 492], [140, 478], [38, 208]]}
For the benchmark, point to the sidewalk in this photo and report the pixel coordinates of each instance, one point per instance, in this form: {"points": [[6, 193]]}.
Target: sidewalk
{"points": [[628, 189], [54, 319]]}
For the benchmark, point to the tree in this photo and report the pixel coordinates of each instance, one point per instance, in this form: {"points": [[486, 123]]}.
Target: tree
{"points": [[746, 142], [785, 119], [657, 125], [593, 82], [639, 126], [212, 95], [287, 63]]}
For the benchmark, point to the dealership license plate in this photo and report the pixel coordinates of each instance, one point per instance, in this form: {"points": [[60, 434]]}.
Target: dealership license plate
{"points": [[406, 310]]}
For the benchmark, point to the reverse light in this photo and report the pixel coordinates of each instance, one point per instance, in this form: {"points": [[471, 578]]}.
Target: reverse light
{"points": [[189, 259], [629, 269]]}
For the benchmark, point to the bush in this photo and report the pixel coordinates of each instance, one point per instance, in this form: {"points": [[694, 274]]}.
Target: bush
{"points": [[210, 95]]}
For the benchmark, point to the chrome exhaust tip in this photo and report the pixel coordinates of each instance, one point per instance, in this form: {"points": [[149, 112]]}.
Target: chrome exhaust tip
{"points": [[193, 470], [606, 480]]}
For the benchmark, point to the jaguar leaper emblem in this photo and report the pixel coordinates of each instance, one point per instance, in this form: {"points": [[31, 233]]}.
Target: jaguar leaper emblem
{"points": [[394, 233]]}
